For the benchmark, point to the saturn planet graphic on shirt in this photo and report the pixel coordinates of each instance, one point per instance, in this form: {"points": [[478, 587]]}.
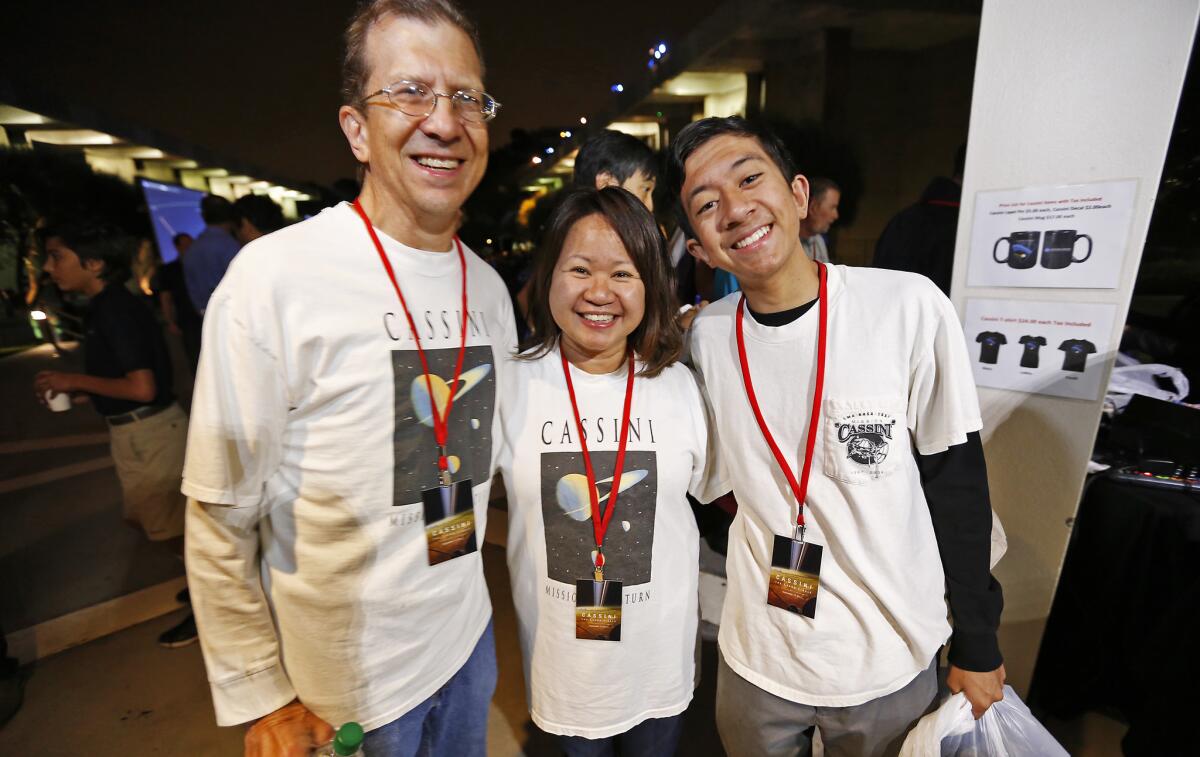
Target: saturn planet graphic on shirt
{"points": [[441, 392], [572, 492]]}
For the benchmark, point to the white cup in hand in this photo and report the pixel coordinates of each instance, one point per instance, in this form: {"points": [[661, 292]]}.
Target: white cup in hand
{"points": [[60, 402]]}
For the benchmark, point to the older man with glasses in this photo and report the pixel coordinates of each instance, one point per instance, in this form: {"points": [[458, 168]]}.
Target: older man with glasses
{"points": [[341, 448]]}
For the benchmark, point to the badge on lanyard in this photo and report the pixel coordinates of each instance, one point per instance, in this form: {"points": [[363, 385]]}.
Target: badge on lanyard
{"points": [[449, 521], [449, 507], [598, 599], [795, 575]]}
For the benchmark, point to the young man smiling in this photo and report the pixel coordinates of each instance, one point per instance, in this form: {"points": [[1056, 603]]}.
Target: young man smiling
{"points": [[835, 610], [342, 435]]}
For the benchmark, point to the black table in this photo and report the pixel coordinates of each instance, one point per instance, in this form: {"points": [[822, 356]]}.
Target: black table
{"points": [[1124, 631]]}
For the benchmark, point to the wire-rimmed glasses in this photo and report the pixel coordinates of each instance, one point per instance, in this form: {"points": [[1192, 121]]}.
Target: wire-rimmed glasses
{"points": [[419, 100]]}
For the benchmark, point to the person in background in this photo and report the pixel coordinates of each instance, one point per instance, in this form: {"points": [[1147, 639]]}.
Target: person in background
{"points": [[12, 683], [180, 315], [212, 252], [606, 339], [609, 159], [921, 237], [838, 584], [342, 448], [822, 212], [257, 215], [127, 377], [615, 159], [146, 265]]}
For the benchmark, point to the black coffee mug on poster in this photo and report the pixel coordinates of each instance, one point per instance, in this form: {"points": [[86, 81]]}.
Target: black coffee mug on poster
{"points": [[1022, 249], [1058, 250]]}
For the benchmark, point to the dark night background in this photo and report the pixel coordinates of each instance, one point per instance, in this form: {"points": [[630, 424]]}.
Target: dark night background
{"points": [[258, 81]]}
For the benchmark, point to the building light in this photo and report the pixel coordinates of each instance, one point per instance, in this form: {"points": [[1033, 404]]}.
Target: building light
{"points": [[37, 315], [662, 48], [536, 160], [549, 150], [583, 120], [618, 88]]}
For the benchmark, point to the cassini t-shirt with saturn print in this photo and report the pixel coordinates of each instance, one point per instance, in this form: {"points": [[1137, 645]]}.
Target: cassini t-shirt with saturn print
{"points": [[469, 441]]}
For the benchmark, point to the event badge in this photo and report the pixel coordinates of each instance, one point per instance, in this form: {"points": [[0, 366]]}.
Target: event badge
{"points": [[449, 521], [795, 576], [598, 609]]}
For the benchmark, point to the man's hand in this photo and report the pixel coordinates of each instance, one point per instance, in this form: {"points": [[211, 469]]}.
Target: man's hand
{"points": [[59, 382], [687, 316], [290, 731], [982, 689]]}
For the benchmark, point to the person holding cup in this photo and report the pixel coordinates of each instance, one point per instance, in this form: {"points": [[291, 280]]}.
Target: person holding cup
{"points": [[604, 435], [127, 377]]}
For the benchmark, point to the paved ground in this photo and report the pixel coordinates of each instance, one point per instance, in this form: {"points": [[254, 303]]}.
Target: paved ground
{"points": [[63, 546]]}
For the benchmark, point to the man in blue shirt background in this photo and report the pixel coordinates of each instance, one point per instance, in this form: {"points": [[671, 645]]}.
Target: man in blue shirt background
{"points": [[212, 252]]}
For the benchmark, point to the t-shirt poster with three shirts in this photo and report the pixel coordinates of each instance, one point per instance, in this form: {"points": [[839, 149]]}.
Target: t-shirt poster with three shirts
{"points": [[1053, 348]]}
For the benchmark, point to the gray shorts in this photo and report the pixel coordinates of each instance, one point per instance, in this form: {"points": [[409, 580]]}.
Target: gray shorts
{"points": [[756, 723]]}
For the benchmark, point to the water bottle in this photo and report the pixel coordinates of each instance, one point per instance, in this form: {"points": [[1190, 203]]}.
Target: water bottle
{"points": [[347, 742]]}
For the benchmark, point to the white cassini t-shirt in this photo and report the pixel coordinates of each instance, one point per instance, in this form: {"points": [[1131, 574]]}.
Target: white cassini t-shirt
{"points": [[589, 688], [311, 418], [897, 376]]}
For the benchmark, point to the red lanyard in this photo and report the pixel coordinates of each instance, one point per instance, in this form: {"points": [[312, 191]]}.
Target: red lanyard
{"points": [[798, 489], [600, 525], [440, 424]]}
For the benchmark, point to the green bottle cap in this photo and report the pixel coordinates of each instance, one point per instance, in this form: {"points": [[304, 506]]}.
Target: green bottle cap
{"points": [[349, 738]]}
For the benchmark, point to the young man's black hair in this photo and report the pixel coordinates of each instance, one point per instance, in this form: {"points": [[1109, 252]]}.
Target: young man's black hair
{"points": [[615, 153], [94, 239], [694, 136]]}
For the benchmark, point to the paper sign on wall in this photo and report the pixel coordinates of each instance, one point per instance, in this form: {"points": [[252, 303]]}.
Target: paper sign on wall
{"points": [[1071, 235], [1057, 348]]}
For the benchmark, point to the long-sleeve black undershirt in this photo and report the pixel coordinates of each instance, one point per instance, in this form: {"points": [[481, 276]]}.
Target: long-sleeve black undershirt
{"points": [[956, 490]]}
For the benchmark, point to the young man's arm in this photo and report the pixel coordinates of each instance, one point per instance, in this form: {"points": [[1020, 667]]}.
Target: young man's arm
{"points": [[956, 489], [945, 420], [135, 386]]}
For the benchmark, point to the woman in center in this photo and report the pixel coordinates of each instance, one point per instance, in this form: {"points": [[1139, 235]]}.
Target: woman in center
{"points": [[604, 436]]}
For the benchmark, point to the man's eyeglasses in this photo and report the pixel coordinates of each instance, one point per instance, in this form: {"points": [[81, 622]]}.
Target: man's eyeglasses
{"points": [[413, 98]]}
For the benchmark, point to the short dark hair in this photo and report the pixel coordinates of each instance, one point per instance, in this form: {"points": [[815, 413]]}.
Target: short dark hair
{"points": [[94, 239], [175, 240], [694, 136], [354, 63], [260, 211], [613, 152], [215, 209], [819, 185], [657, 340]]}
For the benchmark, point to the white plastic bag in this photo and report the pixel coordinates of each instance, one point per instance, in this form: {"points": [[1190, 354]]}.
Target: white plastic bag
{"points": [[1007, 729], [1127, 381]]}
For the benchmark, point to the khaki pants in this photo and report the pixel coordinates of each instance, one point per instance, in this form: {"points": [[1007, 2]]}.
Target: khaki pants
{"points": [[149, 458], [753, 722]]}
